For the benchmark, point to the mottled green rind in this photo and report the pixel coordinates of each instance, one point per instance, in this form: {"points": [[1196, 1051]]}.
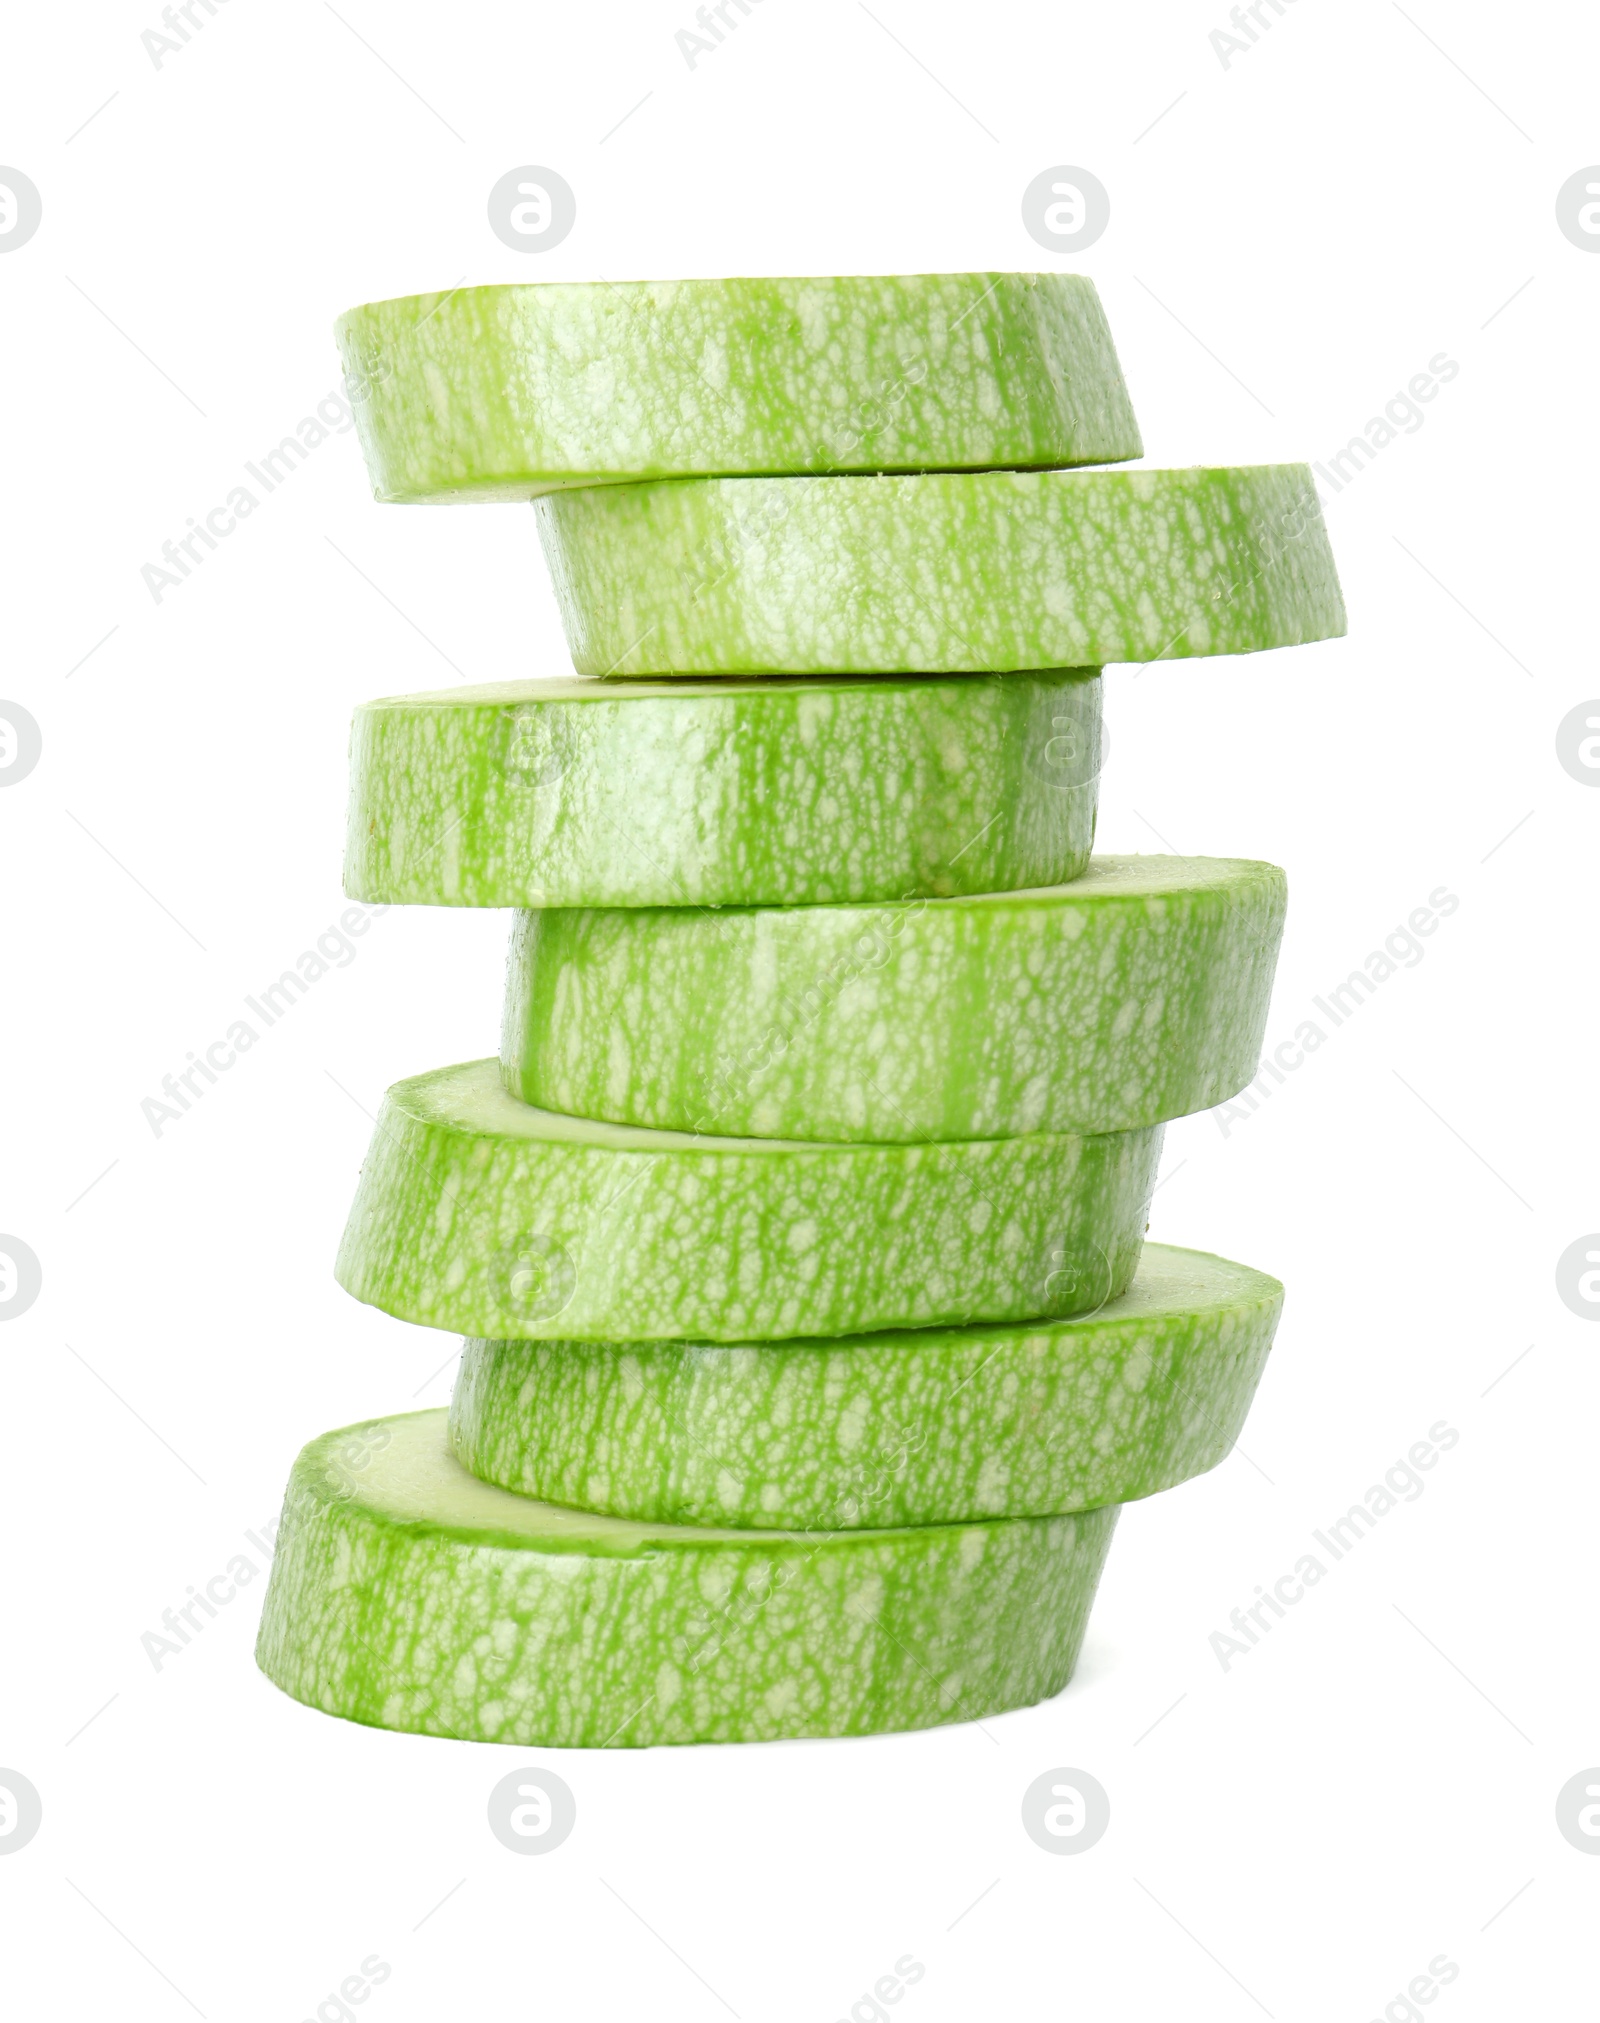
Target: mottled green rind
{"points": [[506, 392], [774, 793], [1136, 994], [975, 572], [406, 1595], [935, 1426], [479, 1214]]}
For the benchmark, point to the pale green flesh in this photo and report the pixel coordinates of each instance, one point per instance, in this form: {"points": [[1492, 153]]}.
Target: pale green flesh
{"points": [[1135, 994], [506, 392], [481, 1215], [946, 573], [405, 1595], [935, 1426], [777, 793]]}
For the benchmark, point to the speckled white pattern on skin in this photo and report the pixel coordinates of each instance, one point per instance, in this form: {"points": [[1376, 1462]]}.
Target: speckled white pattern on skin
{"points": [[405, 1595], [471, 1205], [981, 572], [504, 392], [624, 793], [1136, 994], [934, 1426]]}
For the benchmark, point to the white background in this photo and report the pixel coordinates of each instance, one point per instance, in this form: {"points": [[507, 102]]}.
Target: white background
{"points": [[1298, 235]]}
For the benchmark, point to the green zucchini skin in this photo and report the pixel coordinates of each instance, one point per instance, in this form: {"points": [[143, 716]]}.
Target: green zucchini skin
{"points": [[581, 792], [406, 1595], [972, 571], [1133, 995], [479, 1214], [932, 1426], [508, 392]]}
